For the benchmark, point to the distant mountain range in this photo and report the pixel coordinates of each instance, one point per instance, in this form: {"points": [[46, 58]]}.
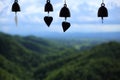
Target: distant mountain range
{"points": [[35, 58], [77, 35], [105, 35]]}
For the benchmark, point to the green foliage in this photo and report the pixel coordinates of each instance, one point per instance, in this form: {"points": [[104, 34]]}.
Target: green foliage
{"points": [[4, 75], [32, 58], [99, 63]]}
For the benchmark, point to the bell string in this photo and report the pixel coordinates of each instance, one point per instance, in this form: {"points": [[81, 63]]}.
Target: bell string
{"points": [[102, 1], [48, 0], [65, 19], [48, 13], [102, 19], [16, 20], [65, 1], [16, 0]]}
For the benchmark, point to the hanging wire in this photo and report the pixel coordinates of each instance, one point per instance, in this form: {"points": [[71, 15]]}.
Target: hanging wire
{"points": [[16, 0], [48, 13], [102, 1], [48, 0], [65, 19], [65, 1]]}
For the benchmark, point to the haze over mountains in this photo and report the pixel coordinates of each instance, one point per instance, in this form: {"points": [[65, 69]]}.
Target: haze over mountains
{"points": [[74, 35]]}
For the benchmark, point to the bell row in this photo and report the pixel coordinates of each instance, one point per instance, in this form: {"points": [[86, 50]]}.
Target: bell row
{"points": [[64, 12]]}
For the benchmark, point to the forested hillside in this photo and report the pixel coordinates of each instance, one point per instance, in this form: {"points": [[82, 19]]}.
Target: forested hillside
{"points": [[100, 63], [33, 58]]}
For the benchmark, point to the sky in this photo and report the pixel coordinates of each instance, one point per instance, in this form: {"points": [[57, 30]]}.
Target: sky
{"points": [[83, 16]]}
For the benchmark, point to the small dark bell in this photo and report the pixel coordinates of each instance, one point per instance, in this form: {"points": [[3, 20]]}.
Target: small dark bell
{"points": [[15, 7], [48, 6], [64, 12], [102, 12]]}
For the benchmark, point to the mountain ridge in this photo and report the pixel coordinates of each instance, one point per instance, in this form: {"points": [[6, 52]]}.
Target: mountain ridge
{"points": [[81, 35], [59, 61]]}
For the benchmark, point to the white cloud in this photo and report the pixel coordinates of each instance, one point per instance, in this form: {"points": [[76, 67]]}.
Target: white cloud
{"points": [[94, 28], [113, 3], [5, 29], [3, 20]]}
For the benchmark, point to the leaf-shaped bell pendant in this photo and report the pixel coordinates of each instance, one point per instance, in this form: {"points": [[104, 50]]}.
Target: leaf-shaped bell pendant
{"points": [[48, 8], [102, 12], [65, 12], [16, 8]]}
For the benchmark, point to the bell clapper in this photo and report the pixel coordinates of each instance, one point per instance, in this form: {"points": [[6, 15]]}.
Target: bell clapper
{"points": [[16, 20], [102, 19]]}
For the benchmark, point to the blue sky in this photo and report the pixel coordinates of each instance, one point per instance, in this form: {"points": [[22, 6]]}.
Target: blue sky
{"points": [[83, 16]]}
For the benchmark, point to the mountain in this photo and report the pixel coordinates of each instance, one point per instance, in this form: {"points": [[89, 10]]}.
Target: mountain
{"points": [[19, 56], [79, 35], [16, 61], [34, 58], [99, 63]]}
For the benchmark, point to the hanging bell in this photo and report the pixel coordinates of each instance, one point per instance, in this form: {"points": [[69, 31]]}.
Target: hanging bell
{"points": [[64, 12], [15, 6], [48, 6], [102, 12]]}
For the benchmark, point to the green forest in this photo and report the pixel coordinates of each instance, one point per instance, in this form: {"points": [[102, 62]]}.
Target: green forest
{"points": [[35, 58]]}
